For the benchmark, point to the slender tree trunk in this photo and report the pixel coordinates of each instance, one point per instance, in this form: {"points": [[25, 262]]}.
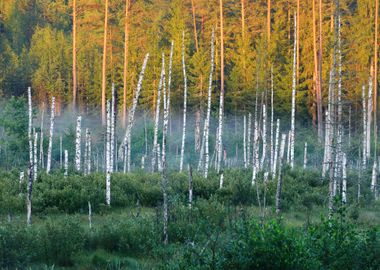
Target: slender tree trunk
{"points": [[157, 117], [74, 54], [317, 79], [108, 155], [184, 103], [244, 141], [271, 123], [369, 117], [50, 147], [60, 152], [112, 141], [274, 167], [31, 160], [131, 114], [255, 154], [249, 136], [268, 20], [294, 85], [364, 103], [89, 215], [35, 159], [126, 44], [42, 139], [305, 156], [279, 180], [264, 136], [66, 163], [344, 178], [376, 47], [104, 63], [78, 144], [206, 127], [194, 25], [190, 186], [221, 101]]}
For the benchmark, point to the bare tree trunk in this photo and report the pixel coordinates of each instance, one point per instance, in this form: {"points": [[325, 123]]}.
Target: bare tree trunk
{"points": [[206, 128], [112, 140], [271, 122], [268, 19], [376, 47], [274, 166], [78, 144], [294, 84], [74, 54], [166, 118], [89, 215], [221, 179], [66, 163], [369, 117], [249, 136], [104, 63], [255, 154], [42, 139], [244, 141], [31, 160], [264, 136], [317, 79], [221, 101], [157, 117], [35, 159], [52, 115], [190, 186], [305, 156], [131, 114], [108, 154], [344, 178], [184, 103], [364, 103], [126, 43], [279, 180]]}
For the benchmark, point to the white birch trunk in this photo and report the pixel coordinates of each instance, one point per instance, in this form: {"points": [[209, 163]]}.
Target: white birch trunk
{"points": [[131, 115], [221, 179], [50, 147], [305, 157], [30, 181], [184, 103], [166, 119], [271, 123], [276, 150], [108, 155], [190, 186], [112, 140], [157, 118], [35, 158], [42, 140], [66, 163], [294, 84], [364, 162], [279, 181], [245, 141], [344, 178], [78, 144], [369, 117], [374, 177], [89, 215], [289, 147], [264, 136], [249, 137], [89, 153], [255, 154], [206, 128]]}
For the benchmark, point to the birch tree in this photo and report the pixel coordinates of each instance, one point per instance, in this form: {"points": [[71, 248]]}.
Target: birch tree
{"points": [[31, 160], [305, 156], [157, 118], [271, 120], [52, 115], [113, 121], [221, 98], [364, 105], [274, 167], [279, 180], [344, 178], [369, 117], [66, 163], [244, 141], [78, 144], [264, 136], [184, 103], [35, 159], [294, 84], [42, 139], [131, 115], [108, 153]]}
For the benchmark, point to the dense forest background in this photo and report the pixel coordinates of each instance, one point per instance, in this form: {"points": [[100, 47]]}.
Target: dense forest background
{"points": [[36, 49]]}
